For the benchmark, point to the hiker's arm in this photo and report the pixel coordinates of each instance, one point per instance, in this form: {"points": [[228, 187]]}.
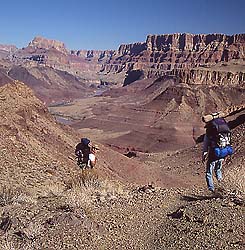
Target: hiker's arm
{"points": [[205, 144], [205, 148], [77, 149]]}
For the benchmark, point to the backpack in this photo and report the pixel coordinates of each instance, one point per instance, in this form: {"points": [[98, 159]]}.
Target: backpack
{"points": [[82, 151], [219, 135]]}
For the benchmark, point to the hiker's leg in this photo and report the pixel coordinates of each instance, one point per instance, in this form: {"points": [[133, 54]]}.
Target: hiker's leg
{"points": [[82, 165], [78, 162], [218, 169], [209, 175]]}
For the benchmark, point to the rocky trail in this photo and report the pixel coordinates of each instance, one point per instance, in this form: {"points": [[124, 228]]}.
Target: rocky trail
{"points": [[144, 217]]}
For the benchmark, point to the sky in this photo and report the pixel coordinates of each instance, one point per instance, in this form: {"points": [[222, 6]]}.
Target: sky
{"points": [[105, 24]]}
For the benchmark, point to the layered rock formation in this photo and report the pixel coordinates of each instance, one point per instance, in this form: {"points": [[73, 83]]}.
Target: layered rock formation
{"points": [[43, 50], [192, 59], [190, 42], [83, 64], [131, 49], [166, 54], [95, 55], [209, 77]]}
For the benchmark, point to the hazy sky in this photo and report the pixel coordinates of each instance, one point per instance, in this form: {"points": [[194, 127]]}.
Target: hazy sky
{"points": [[105, 24]]}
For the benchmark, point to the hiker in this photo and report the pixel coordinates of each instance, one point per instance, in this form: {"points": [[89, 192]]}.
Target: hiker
{"points": [[216, 147], [85, 152]]}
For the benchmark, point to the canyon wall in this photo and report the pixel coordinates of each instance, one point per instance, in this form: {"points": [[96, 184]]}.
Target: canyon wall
{"points": [[193, 58], [209, 77], [180, 54], [187, 48], [190, 42]]}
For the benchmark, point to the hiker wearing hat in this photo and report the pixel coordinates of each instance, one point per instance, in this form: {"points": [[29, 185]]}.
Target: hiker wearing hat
{"points": [[85, 153], [216, 146]]}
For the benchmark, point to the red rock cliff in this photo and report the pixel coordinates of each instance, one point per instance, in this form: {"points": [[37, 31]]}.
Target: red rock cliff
{"points": [[164, 53]]}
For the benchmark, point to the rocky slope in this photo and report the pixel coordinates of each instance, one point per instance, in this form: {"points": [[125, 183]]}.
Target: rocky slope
{"points": [[37, 141], [47, 203], [49, 84]]}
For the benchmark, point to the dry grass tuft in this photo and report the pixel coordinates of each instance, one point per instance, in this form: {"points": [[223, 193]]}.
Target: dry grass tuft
{"points": [[50, 189], [8, 196], [81, 188], [84, 179], [86, 188]]}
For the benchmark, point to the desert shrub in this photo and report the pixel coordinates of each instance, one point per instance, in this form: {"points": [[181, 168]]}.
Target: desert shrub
{"points": [[84, 179], [8, 196], [81, 188], [86, 187]]}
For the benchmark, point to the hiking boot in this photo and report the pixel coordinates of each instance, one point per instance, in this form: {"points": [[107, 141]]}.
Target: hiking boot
{"points": [[217, 193], [220, 187]]}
